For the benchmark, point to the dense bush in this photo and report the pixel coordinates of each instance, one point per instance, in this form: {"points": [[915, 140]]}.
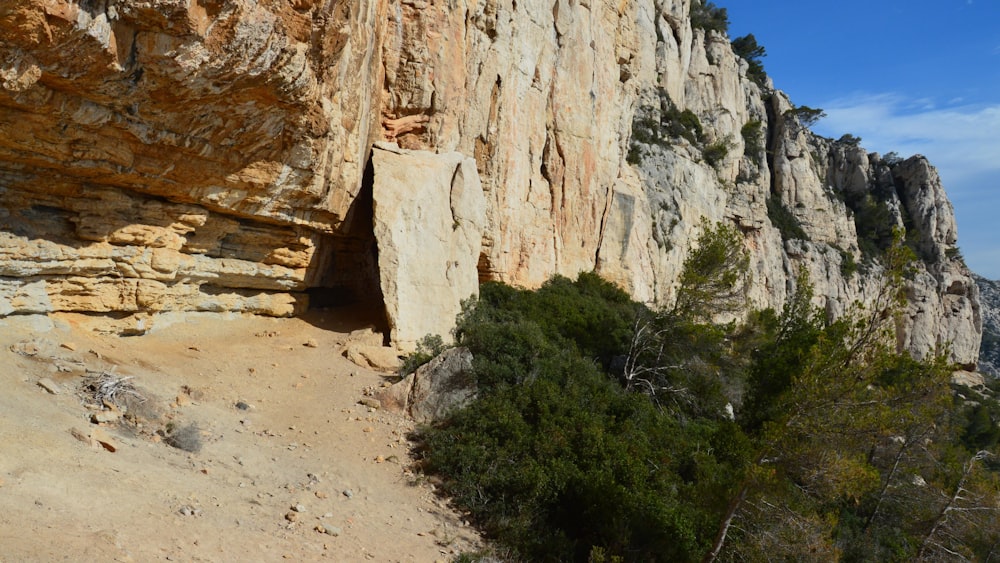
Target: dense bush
{"points": [[839, 447], [556, 458]]}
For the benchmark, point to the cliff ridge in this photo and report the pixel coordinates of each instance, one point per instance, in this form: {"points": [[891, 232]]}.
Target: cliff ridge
{"points": [[216, 155]]}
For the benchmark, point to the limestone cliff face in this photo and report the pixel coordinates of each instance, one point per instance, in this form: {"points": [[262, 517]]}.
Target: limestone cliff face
{"points": [[215, 155], [989, 355]]}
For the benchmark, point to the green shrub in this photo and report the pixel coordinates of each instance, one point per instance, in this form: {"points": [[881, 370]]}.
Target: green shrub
{"points": [[747, 48], [851, 140], [715, 153], [874, 223], [556, 460], [892, 159], [784, 220], [565, 462], [954, 253], [428, 347], [707, 16], [848, 265], [806, 115], [752, 145], [663, 127]]}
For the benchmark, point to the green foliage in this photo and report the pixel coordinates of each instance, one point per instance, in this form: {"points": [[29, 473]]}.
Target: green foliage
{"points": [[555, 458], [568, 461], [590, 316], [716, 152], [713, 280], [954, 253], [848, 265], [892, 159], [784, 220], [854, 460], [684, 124], [662, 127], [851, 140], [707, 16], [753, 148], [428, 347], [748, 48], [599, 434], [874, 223], [806, 115], [789, 339], [980, 425]]}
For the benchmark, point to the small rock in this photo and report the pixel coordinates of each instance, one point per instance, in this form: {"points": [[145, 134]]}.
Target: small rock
{"points": [[104, 417], [188, 510], [370, 402], [195, 394], [79, 435], [311, 343], [69, 346], [292, 516], [101, 437], [380, 459], [50, 386], [348, 493], [321, 495], [242, 406], [369, 429], [329, 530], [299, 508]]}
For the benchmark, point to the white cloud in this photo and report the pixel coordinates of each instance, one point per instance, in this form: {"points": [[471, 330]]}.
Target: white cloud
{"points": [[960, 140]]}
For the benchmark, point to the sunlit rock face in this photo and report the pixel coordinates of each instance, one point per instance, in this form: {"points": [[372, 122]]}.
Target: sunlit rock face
{"points": [[989, 355], [183, 155]]}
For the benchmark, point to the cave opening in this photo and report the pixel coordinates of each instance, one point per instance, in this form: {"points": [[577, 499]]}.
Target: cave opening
{"points": [[346, 273]]}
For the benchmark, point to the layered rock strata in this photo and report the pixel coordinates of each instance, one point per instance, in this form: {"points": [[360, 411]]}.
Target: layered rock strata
{"points": [[214, 155]]}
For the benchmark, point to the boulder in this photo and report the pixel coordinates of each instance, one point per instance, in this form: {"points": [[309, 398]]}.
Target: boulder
{"points": [[435, 389], [429, 219]]}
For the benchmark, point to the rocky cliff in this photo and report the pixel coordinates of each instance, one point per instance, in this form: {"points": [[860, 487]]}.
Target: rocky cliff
{"points": [[245, 155], [989, 355]]}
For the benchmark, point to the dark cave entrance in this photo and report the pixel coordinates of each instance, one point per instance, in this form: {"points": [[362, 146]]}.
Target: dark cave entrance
{"points": [[346, 271]]}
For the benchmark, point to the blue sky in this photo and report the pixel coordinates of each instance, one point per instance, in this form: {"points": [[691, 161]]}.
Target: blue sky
{"points": [[913, 76]]}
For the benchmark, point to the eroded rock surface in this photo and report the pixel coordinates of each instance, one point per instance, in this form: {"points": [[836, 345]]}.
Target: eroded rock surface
{"points": [[429, 221], [989, 356], [214, 155], [435, 389]]}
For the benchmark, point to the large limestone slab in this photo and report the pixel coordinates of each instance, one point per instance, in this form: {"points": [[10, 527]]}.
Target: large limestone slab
{"points": [[429, 215]]}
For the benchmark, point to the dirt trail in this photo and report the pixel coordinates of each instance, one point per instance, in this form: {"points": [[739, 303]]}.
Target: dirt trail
{"points": [[304, 473]]}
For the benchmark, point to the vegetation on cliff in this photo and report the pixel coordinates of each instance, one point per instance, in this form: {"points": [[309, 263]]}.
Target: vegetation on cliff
{"points": [[606, 431]]}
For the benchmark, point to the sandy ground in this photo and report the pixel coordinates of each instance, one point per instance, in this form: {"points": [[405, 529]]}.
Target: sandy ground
{"points": [[304, 473]]}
